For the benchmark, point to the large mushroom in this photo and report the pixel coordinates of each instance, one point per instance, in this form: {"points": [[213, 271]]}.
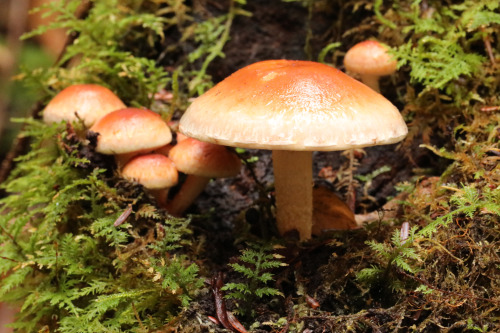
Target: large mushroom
{"points": [[87, 102], [201, 161], [370, 60], [129, 132], [293, 108]]}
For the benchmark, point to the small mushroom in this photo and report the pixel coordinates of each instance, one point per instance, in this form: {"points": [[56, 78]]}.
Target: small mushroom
{"points": [[87, 102], [371, 61], [201, 161], [293, 108], [129, 132], [155, 172]]}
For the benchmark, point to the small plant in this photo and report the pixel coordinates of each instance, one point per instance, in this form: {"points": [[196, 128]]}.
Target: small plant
{"points": [[255, 266], [399, 253], [405, 255], [439, 57]]}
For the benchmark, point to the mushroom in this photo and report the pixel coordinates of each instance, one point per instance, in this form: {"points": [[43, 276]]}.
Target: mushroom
{"points": [[87, 102], [155, 172], [129, 132], [201, 161], [293, 108], [371, 61]]}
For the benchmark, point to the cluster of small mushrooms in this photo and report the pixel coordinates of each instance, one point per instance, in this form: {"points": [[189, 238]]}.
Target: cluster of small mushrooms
{"points": [[290, 107], [140, 141]]}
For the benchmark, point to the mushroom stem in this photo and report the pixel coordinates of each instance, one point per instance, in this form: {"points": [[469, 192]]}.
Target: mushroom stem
{"points": [[294, 191], [371, 81], [189, 191], [161, 196]]}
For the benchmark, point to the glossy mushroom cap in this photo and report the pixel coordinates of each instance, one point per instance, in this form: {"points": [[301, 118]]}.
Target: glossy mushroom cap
{"points": [[205, 159], [370, 57], [131, 130], [293, 105], [88, 102], [153, 171]]}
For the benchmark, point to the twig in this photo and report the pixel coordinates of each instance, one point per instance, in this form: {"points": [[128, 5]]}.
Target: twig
{"points": [[137, 317], [10, 259], [487, 44], [290, 313], [220, 303], [123, 216]]}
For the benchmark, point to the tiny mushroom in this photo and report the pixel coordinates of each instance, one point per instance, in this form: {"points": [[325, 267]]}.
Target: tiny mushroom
{"points": [[371, 61], [201, 161], [293, 108], [129, 132], [87, 102], [155, 172]]}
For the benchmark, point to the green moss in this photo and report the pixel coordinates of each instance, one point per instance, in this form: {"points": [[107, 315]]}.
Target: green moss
{"points": [[67, 264], [70, 269]]}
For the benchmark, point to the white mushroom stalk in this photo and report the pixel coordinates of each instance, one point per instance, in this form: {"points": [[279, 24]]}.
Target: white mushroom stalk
{"points": [[293, 184]]}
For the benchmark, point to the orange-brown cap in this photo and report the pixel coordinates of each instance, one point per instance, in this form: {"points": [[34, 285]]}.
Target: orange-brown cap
{"points": [[205, 159], [131, 130], [88, 102], [153, 171], [293, 105], [370, 57]]}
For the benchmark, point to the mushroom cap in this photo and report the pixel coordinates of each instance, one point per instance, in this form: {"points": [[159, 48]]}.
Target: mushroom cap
{"points": [[88, 102], [153, 171], [370, 57], [205, 159], [293, 105], [131, 130]]}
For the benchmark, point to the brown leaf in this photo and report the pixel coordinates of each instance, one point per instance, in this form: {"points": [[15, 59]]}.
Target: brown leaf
{"points": [[330, 213]]}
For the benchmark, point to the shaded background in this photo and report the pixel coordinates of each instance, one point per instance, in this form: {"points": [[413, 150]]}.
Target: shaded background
{"points": [[16, 100]]}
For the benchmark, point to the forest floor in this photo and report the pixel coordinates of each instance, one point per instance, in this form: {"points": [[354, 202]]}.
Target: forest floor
{"points": [[443, 183]]}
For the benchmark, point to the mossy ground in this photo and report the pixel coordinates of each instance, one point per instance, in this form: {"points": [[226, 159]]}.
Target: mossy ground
{"points": [[147, 277]]}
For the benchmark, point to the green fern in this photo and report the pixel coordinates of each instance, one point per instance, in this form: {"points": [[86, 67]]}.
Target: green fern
{"points": [[436, 62], [468, 201], [438, 57], [256, 262]]}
